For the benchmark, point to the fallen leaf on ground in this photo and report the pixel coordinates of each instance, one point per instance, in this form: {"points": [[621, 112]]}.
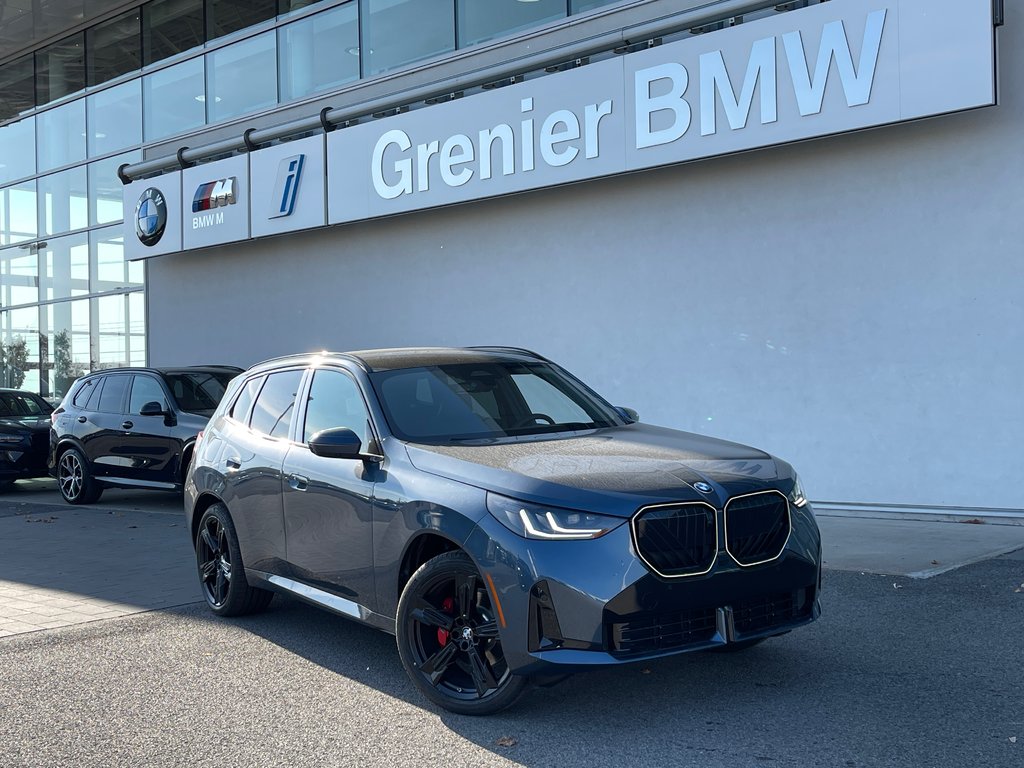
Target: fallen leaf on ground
{"points": [[645, 671], [506, 741], [973, 521], [896, 586], [935, 562], [1013, 739]]}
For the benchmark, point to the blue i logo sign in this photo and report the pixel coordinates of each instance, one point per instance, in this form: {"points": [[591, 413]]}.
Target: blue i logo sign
{"points": [[289, 173]]}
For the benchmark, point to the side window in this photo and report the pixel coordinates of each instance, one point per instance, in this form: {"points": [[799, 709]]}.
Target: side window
{"points": [[112, 396], [241, 407], [335, 401], [272, 414], [146, 389], [81, 399]]}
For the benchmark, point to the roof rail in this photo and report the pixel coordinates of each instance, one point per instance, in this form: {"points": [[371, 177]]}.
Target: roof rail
{"points": [[302, 355], [522, 350]]}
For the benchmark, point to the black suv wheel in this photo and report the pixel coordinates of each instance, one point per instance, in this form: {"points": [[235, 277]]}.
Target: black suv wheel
{"points": [[221, 573], [76, 483]]}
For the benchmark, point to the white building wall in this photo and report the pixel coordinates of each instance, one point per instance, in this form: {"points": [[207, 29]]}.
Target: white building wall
{"points": [[852, 304]]}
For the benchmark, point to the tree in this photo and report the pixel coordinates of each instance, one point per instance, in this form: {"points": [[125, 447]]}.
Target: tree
{"points": [[15, 362], [65, 369]]}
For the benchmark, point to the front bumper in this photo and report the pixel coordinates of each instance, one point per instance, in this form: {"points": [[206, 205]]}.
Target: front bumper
{"points": [[571, 605]]}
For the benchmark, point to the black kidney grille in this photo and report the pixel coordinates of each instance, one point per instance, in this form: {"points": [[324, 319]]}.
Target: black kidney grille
{"points": [[663, 631], [761, 613], [756, 527], [681, 540]]}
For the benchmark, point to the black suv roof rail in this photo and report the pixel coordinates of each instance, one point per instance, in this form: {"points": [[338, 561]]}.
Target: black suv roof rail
{"points": [[522, 350], [303, 355]]}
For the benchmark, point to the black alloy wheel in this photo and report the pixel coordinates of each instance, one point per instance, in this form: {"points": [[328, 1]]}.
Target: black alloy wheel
{"points": [[448, 639], [74, 479], [219, 561]]}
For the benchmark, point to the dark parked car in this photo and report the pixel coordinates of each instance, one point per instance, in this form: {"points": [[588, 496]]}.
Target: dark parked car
{"points": [[495, 514], [132, 428], [24, 436]]}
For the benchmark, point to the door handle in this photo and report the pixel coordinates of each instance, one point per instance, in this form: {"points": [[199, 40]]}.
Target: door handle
{"points": [[127, 424], [82, 419], [233, 463], [298, 482]]}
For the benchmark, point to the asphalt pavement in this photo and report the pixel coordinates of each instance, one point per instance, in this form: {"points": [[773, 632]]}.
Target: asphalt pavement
{"points": [[901, 670]]}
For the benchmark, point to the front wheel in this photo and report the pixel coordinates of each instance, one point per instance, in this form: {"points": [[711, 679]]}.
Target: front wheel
{"points": [[221, 574], [448, 639], [76, 483]]}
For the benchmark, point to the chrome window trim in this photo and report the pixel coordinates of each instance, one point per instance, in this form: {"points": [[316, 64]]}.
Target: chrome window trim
{"points": [[725, 523], [635, 539]]}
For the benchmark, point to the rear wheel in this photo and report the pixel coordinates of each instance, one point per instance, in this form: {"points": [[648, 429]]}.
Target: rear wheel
{"points": [[221, 573], [447, 634], [76, 483]]}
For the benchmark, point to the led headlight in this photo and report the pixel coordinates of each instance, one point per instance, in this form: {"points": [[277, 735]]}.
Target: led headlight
{"points": [[11, 439], [797, 494], [534, 521]]}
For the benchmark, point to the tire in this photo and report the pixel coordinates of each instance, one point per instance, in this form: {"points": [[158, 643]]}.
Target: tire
{"points": [[469, 675], [219, 565], [77, 484]]}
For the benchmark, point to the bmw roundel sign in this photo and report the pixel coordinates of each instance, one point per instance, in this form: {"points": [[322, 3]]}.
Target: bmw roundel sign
{"points": [[150, 216]]}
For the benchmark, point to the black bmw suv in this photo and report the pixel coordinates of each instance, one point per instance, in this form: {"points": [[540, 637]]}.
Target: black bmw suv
{"points": [[132, 428]]}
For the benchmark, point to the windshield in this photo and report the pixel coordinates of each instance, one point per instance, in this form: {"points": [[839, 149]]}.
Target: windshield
{"points": [[21, 405], [471, 401], [199, 391]]}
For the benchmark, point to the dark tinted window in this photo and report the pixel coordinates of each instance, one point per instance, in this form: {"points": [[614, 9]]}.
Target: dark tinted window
{"points": [[199, 391], [115, 47], [470, 401], [275, 407], [17, 87], [87, 390], [170, 27], [112, 396], [60, 69], [21, 405], [146, 389], [241, 407], [226, 16], [335, 401]]}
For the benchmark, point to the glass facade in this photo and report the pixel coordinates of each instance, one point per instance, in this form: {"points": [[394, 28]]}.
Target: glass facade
{"points": [[74, 111]]}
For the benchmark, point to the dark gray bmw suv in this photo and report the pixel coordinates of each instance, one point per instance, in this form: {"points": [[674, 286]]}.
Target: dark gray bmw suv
{"points": [[496, 515]]}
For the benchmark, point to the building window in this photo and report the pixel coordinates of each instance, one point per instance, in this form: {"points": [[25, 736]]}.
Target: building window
{"points": [[485, 21], [114, 118], [115, 47], [106, 193], [18, 221], [64, 267], [579, 6], [19, 276], [63, 202], [108, 268], [174, 99], [18, 150], [319, 52], [20, 340], [60, 138], [226, 16], [17, 87], [241, 78], [66, 349], [60, 69], [170, 27], [398, 32]]}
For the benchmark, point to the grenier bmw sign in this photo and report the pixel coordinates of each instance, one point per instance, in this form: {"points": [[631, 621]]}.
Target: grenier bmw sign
{"points": [[826, 69]]}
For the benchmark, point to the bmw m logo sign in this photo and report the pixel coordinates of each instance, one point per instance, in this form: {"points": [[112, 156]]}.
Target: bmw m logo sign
{"points": [[150, 217], [214, 194]]}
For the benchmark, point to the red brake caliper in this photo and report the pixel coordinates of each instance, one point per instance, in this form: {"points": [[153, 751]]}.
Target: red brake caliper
{"points": [[448, 606]]}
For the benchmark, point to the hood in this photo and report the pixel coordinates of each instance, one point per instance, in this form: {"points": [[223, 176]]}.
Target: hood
{"points": [[32, 423], [612, 470]]}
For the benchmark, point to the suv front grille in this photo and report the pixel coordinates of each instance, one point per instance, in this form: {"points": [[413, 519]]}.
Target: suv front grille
{"points": [[762, 613], [677, 539], [757, 527], [663, 631]]}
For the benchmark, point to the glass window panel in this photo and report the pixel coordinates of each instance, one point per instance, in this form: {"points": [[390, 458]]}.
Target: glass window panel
{"points": [[66, 352], [275, 407], [113, 393], [63, 201], [284, 7], [19, 276], [60, 69], [335, 401], [397, 32], [108, 268], [137, 328], [579, 6], [170, 27], [319, 52], [17, 87], [226, 16], [173, 99], [115, 47], [111, 331], [60, 135], [484, 21], [64, 267], [242, 77], [115, 118], [145, 389], [106, 193], [18, 150], [18, 213], [19, 349]]}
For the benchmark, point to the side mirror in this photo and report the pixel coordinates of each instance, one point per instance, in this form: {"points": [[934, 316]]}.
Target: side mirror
{"points": [[628, 414], [152, 408], [338, 443]]}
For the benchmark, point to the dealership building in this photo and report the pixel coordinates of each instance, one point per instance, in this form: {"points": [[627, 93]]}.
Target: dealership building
{"points": [[797, 225]]}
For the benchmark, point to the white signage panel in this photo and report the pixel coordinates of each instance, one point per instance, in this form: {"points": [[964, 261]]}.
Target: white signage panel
{"points": [[152, 216], [288, 187], [215, 202], [826, 69]]}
